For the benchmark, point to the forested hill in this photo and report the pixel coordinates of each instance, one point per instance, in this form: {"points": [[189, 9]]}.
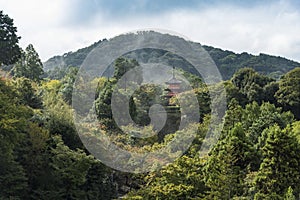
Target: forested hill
{"points": [[69, 59], [228, 62]]}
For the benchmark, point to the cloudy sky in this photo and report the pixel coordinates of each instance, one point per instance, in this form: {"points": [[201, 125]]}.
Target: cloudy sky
{"points": [[55, 27]]}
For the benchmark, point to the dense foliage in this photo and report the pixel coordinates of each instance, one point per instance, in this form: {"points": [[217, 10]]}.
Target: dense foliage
{"points": [[29, 65], [256, 157], [9, 47]]}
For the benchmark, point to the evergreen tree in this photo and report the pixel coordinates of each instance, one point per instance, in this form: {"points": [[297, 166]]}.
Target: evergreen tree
{"points": [[10, 51], [70, 169], [34, 157], [100, 183], [104, 92], [289, 194], [288, 94], [251, 84], [234, 114], [27, 92], [67, 84], [257, 118], [13, 124], [280, 167], [146, 96], [29, 65], [123, 65], [227, 165], [182, 179], [103, 104], [33, 63]]}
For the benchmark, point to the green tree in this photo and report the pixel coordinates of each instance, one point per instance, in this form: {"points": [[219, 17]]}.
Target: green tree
{"points": [[58, 118], [227, 165], [182, 179], [100, 183], [103, 104], [105, 90], [289, 194], [67, 84], [123, 65], [269, 91], [10, 51], [29, 65], [70, 169], [144, 97], [233, 92], [280, 167], [13, 180], [13, 123], [233, 115], [288, 94], [251, 84], [27, 92], [257, 118], [296, 130], [35, 159]]}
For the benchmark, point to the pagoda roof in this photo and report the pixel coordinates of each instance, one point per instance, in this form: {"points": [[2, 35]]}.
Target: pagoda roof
{"points": [[173, 80]]}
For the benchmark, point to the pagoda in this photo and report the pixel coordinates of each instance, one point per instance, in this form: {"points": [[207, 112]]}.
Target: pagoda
{"points": [[173, 86], [173, 111]]}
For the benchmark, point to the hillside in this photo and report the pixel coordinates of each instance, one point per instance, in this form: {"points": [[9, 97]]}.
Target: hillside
{"points": [[70, 58], [228, 62]]}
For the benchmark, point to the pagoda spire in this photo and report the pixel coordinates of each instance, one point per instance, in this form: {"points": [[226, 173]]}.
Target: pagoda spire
{"points": [[173, 85], [173, 72]]}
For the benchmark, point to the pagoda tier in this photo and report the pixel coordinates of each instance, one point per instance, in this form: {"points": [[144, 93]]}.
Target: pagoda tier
{"points": [[173, 85]]}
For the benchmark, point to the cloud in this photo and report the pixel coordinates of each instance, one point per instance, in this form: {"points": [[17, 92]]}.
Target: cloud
{"points": [[36, 21], [57, 27]]}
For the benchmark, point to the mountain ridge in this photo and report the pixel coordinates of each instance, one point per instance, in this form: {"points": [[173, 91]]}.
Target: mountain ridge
{"points": [[228, 62]]}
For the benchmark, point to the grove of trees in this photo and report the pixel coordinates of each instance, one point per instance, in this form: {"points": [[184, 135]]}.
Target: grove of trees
{"points": [[256, 157]]}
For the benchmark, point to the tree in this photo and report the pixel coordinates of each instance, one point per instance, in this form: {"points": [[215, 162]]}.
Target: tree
{"points": [[251, 84], [67, 84], [29, 65], [59, 118], [233, 115], [103, 104], [70, 168], [57, 172], [288, 94], [100, 183], [257, 118], [123, 65], [105, 91], [10, 51], [182, 179], [13, 180], [289, 194], [13, 120], [280, 167], [27, 93], [269, 91], [227, 165], [34, 158], [146, 96], [233, 92], [33, 63]]}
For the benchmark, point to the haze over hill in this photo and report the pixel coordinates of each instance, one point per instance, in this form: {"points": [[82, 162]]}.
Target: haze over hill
{"points": [[228, 62]]}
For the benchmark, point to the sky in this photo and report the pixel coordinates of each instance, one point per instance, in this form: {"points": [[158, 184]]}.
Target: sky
{"points": [[55, 27]]}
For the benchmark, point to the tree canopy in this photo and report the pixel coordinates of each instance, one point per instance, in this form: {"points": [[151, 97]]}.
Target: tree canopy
{"points": [[42, 157], [10, 51], [29, 65]]}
